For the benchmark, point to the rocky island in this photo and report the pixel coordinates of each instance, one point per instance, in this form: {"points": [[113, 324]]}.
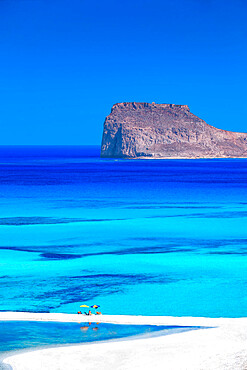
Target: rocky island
{"points": [[150, 130]]}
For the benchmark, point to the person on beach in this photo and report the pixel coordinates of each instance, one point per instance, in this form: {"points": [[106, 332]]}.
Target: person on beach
{"points": [[89, 313]]}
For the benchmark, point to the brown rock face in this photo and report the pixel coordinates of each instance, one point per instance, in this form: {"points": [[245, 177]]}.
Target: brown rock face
{"points": [[142, 130]]}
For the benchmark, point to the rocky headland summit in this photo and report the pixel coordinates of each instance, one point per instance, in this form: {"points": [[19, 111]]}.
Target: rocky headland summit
{"points": [[150, 130]]}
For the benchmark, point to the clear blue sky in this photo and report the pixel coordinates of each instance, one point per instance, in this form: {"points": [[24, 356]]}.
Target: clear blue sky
{"points": [[64, 63]]}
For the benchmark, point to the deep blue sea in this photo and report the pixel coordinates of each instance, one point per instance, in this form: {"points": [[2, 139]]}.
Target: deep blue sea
{"points": [[145, 237]]}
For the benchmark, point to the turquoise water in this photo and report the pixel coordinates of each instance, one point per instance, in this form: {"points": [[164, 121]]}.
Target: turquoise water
{"points": [[164, 237]]}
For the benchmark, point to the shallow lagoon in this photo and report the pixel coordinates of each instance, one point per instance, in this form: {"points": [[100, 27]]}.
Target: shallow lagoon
{"points": [[18, 335], [150, 237]]}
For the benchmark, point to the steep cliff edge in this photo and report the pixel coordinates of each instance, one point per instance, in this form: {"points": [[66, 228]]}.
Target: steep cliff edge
{"points": [[141, 130]]}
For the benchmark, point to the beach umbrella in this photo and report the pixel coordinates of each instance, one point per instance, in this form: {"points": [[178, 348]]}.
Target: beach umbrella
{"points": [[95, 306], [84, 305]]}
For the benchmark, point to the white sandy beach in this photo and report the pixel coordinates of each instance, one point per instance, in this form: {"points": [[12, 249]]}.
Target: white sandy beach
{"points": [[222, 346]]}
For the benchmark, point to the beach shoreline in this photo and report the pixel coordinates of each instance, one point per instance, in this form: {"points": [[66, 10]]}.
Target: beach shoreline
{"points": [[222, 346]]}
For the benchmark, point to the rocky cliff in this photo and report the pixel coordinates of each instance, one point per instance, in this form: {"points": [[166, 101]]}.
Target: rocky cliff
{"points": [[141, 130]]}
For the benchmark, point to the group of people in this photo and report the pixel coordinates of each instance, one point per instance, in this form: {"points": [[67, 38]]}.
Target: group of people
{"points": [[89, 313]]}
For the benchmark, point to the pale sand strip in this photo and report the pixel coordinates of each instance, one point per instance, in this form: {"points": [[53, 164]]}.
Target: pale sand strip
{"points": [[222, 346]]}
